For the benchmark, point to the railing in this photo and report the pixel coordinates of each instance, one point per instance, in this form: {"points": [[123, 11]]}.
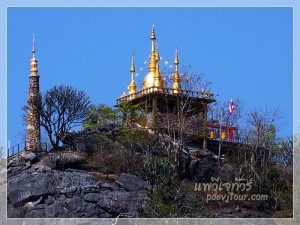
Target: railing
{"points": [[229, 129], [168, 91], [16, 149]]}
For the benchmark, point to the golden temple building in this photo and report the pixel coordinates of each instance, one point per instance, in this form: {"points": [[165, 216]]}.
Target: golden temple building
{"points": [[159, 106]]}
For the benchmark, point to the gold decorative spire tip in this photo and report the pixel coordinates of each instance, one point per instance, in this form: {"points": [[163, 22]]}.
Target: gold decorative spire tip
{"points": [[176, 61], [33, 45], [132, 68], [153, 37], [33, 70]]}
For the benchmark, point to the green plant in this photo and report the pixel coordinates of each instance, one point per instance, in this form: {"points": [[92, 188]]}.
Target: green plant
{"points": [[167, 199], [157, 170], [99, 115]]}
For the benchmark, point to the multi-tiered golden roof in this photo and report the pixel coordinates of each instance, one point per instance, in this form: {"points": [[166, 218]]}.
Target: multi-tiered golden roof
{"points": [[160, 104], [153, 81]]}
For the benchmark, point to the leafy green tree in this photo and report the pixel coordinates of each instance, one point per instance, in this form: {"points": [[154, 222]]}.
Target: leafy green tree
{"points": [[131, 113], [282, 151], [99, 115]]}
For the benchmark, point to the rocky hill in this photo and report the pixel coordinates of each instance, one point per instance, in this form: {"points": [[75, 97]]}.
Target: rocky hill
{"points": [[95, 175]]}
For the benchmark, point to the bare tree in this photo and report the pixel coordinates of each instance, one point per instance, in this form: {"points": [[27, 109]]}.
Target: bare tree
{"points": [[261, 123], [183, 118], [259, 141], [61, 108], [221, 108]]}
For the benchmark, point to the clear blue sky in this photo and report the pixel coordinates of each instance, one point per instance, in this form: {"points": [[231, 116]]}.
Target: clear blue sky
{"points": [[246, 53]]}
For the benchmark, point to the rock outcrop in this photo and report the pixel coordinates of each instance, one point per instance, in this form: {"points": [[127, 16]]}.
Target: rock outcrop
{"points": [[84, 141], [56, 185], [38, 190]]}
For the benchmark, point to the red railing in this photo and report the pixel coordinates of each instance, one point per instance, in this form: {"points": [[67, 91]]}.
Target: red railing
{"points": [[229, 129]]}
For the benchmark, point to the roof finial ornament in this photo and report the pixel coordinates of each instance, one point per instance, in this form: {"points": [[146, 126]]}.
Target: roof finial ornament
{"points": [[33, 64], [152, 36], [176, 60], [157, 50], [157, 78], [132, 85], [152, 62], [33, 46], [176, 85], [132, 68]]}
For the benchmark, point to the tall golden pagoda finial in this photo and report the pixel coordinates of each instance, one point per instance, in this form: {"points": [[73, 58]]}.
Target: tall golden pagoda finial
{"points": [[132, 68], [152, 63], [149, 78], [132, 85], [176, 85], [176, 60], [157, 78], [33, 70]]}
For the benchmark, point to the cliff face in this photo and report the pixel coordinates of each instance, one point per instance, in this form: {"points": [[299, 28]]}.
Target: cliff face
{"points": [[36, 189]]}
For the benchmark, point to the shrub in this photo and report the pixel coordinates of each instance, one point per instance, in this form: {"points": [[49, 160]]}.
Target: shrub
{"points": [[157, 170]]}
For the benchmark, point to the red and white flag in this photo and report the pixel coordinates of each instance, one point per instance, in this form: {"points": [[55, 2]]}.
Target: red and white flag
{"points": [[231, 106]]}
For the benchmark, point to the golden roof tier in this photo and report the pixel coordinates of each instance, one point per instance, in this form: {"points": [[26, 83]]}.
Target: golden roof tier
{"points": [[154, 84]]}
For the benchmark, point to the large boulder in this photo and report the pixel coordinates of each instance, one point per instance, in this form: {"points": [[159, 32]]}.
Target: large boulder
{"points": [[64, 159], [30, 186], [21, 162], [132, 183], [202, 169], [84, 140], [40, 191]]}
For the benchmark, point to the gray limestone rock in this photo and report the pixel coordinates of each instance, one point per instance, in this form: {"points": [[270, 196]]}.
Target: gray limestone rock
{"points": [[41, 192], [31, 157], [132, 183], [202, 170]]}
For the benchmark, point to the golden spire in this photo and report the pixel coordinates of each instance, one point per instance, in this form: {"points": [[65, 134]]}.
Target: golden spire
{"points": [[176, 85], [132, 85], [33, 70], [157, 78], [149, 78], [152, 63]]}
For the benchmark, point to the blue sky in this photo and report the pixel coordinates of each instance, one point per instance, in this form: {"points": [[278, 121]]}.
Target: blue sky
{"points": [[246, 53]]}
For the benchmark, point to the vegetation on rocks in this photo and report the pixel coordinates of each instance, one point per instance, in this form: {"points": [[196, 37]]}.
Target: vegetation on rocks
{"points": [[163, 166]]}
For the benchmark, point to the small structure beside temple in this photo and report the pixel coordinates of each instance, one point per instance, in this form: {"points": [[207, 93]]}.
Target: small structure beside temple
{"points": [[158, 106], [33, 132]]}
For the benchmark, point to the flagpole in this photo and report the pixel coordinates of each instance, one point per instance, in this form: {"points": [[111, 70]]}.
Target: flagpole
{"points": [[220, 137]]}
